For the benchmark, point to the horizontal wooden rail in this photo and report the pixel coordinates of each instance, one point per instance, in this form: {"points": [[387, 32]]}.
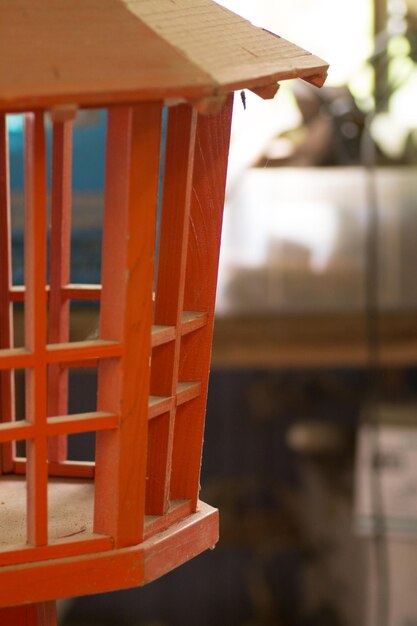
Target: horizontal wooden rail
{"points": [[158, 405], [77, 350], [66, 469], [190, 321], [16, 358], [71, 291], [62, 425], [81, 423], [71, 546], [16, 431]]}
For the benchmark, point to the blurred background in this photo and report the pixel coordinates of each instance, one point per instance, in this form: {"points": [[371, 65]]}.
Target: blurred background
{"points": [[311, 434]]}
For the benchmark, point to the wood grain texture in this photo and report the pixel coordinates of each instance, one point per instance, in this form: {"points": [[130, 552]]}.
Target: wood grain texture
{"points": [[159, 48], [42, 614], [35, 326], [7, 408], [114, 569], [175, 221], [209, 180], [59, 275], [132, 173], [229, 48]]}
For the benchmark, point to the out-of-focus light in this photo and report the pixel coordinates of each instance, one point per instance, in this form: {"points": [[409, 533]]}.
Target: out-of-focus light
{"points": [[389, 134], [396, 25], [14, 123]]}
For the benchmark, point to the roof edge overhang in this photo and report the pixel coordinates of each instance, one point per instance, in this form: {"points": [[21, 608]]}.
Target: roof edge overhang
{"points": [[49, 75]]}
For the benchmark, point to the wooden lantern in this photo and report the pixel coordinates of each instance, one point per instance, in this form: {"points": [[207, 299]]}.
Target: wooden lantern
{"points": [[70, 528]]}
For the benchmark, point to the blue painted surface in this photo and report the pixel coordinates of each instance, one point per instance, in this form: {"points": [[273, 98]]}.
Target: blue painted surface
{"points": [[88, 177], [88, 156], [88, 166]]}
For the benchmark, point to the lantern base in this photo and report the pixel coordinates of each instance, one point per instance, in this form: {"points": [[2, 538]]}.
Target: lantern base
{"points": [[99, 567]]}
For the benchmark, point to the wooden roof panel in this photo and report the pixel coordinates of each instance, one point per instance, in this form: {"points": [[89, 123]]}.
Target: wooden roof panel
{"points": [[229, 48], [86, 51], [100, 51]]}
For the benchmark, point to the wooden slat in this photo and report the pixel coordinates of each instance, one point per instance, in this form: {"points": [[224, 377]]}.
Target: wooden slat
{"points": [[59, 274], [209, 180], [192, 321], [178, 510], [35, 325], [159, 405], [15, 431], [81, 423], [65, 424], [17, 293], [82, 292], [69, 292], [83, 350], [179, 159], [17, 358], [162, 334], [66, 469], [60, 548], [187, 392], [7, 407], [132, 173]]}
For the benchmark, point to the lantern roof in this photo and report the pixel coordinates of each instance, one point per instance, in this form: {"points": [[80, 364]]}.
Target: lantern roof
{"points": [[95, 52]]}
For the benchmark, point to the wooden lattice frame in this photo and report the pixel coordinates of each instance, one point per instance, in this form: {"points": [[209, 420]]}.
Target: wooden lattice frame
{"points": [[150, 417]]}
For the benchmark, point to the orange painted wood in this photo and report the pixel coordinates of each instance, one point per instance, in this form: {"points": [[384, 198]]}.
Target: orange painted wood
{"points": [[65, 469], [69, 292], [179, 158], [7, 408], [71, 546], [209, 179], [192, 321], [159, 405], [42, 614], [112, 569], [159, 441], [162, 334], [17, 358], [86, 350], [82, 292], [16, 432], [168, 550], [35, 325], [132, 174], [68, 353], [178, 510], [81, 423], [59, 274]]}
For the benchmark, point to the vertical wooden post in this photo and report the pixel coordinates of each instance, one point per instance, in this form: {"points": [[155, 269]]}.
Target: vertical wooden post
{"points": [[35, 326], [41, 614], [180, 145], [132, 171], [60, 244], [7, 407], [209, 181]]}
